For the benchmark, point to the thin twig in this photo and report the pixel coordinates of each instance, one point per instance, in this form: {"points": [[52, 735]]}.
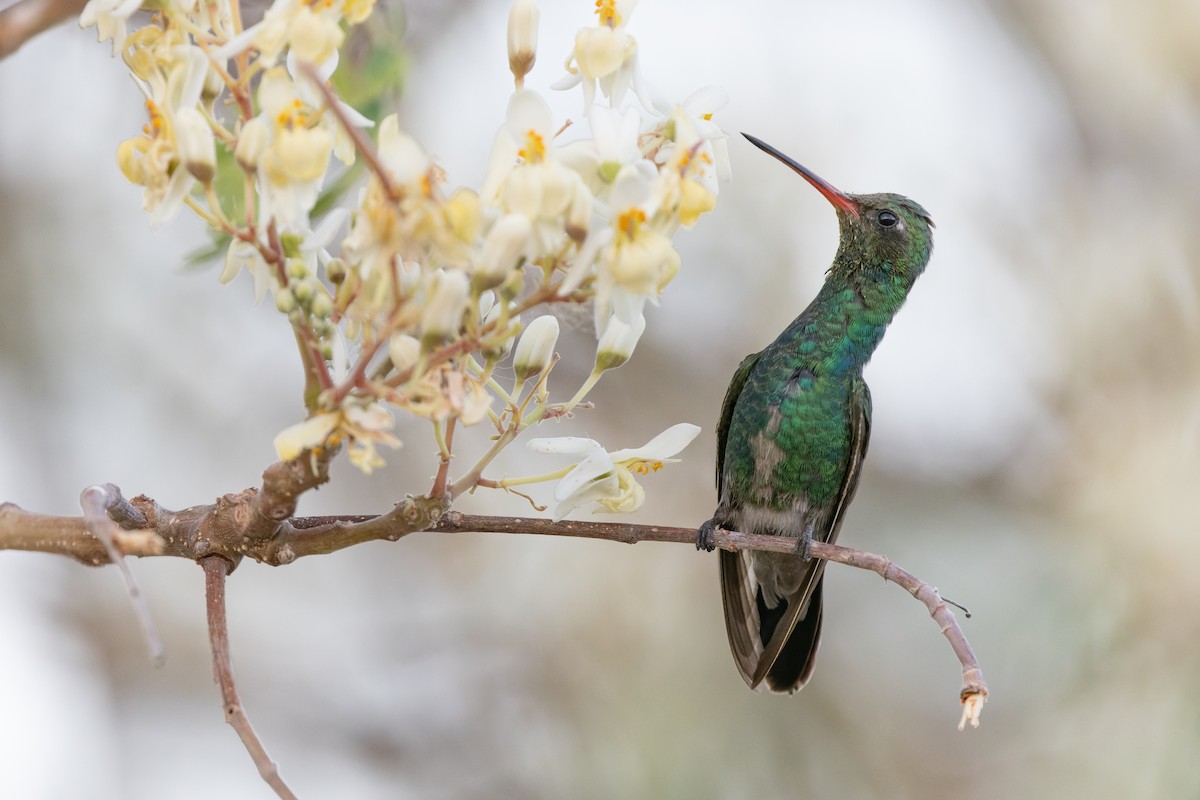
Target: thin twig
{"points": [[440, 480], [974, 690], [21, 21], [96, 502], [215, 570], [361, 143]]}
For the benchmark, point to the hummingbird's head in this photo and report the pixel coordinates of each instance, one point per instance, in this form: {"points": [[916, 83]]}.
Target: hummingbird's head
{"points": [[884, 228]]}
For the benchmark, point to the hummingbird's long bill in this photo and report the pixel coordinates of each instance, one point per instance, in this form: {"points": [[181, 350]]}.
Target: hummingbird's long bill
{"points": [[839, 198]]}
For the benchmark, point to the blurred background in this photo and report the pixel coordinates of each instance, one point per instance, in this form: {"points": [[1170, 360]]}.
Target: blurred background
{"points": [[1035, 450]]}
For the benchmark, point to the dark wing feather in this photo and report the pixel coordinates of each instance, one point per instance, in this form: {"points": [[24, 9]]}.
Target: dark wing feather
{"points": [[787, 659], [739, 597], [731, 396]]}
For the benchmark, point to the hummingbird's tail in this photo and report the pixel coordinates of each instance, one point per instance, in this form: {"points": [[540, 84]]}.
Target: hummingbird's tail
{"points": [[776, 646], [794, 664]]}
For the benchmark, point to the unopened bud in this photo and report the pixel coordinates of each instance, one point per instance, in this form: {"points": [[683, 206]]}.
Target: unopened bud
{"points": [[304, 290], [536, 348], [522, 38], [195, 145], [444, 308], [618, 342], [403, 350], [579, 215], [335, 270], [285, 301], [251, 143], [296, 268], [502, 338], [503, 247], [214, 84], [322, 305]]}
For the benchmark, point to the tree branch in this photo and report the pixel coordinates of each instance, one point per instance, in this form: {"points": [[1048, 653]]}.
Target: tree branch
{"points": [[182, 534], [215, 570]]}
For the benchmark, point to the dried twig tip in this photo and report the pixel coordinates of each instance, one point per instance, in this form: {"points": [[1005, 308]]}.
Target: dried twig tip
{"points": [[972, 707]]}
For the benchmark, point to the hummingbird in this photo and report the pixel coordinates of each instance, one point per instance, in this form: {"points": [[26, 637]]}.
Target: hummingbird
{"points": [[794, 429]]}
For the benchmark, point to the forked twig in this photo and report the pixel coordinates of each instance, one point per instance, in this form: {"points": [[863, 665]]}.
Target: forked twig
{"points": [[98, 502], [216, 568]]}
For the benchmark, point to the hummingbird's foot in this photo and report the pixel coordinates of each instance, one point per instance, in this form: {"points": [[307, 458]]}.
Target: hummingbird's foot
{"points": [[704, 536], [804, 544]]}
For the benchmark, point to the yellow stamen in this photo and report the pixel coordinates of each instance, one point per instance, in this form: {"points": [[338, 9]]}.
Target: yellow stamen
{"points": [[607, 11], [629, 221], [534, 150], [157, 120]]}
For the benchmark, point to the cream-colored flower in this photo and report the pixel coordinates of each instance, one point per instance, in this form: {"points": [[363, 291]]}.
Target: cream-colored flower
{"points": [[171, 76], [525, 177], [605, 55], [693, 155], [111, 18], [633, 260], [605, 478], [412, 222], [364, 425]]}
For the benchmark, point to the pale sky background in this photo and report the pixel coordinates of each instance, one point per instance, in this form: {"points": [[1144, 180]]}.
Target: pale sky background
{"points": [[1035, 447]]}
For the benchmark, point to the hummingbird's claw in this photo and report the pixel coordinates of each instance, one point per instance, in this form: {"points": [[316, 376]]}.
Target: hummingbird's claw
{"points": [[804, 543], [704, 536]]}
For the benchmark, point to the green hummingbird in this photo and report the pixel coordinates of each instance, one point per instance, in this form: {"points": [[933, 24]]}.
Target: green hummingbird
{"points": [[794, 428]]}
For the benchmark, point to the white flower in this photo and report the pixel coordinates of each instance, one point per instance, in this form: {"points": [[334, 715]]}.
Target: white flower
{"points": [[525, 177], [293, 166], [172, 79], [693, 153], [614, 144], [608, 478], [605, 55], [634, 260], [110, 18]]}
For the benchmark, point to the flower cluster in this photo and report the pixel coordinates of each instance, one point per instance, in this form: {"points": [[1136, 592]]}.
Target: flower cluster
{"points": [[412, 298]]}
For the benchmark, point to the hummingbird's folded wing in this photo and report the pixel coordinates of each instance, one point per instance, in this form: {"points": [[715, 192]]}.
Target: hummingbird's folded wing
{"points": [[787, 658]]}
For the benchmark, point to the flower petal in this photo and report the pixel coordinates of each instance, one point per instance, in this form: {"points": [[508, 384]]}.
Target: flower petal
{"points": [[310, 433], [663, 446], [565, 445]]}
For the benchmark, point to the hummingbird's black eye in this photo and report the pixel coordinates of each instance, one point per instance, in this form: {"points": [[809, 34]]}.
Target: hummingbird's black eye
{"points": [[887, 219]]}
